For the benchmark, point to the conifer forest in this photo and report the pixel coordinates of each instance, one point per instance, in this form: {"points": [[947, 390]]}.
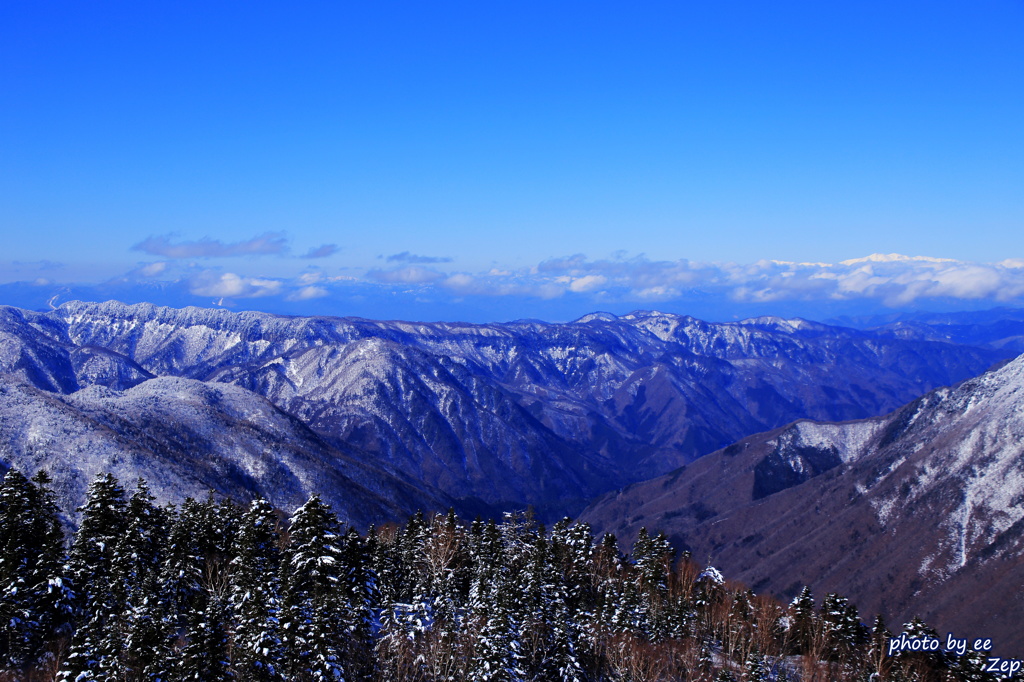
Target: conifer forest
{"points": [[209, 590]]}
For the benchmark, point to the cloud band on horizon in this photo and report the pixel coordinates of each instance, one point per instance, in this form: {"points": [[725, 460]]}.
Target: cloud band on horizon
{"points": [[881, 281]]}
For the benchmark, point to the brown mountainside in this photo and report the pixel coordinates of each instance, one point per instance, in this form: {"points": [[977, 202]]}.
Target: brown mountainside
{"points": [[920, 512]]}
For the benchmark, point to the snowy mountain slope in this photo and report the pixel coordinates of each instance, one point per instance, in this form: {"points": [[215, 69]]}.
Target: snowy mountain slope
{"points": [[187, 437], [518, 413], [920, 512]]}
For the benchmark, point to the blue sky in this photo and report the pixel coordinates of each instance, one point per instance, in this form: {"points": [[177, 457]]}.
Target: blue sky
{"points": [[458, 160]]}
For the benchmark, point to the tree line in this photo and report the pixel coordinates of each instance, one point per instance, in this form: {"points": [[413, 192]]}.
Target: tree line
{"points": [[212, 591]]}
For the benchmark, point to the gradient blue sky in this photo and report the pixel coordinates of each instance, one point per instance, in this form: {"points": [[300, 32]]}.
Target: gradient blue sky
{"points": [[494, 160]]}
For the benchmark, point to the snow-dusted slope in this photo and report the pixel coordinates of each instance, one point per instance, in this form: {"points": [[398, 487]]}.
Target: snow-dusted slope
{"points": [[517, 413], [920, 512], [187, 437]]}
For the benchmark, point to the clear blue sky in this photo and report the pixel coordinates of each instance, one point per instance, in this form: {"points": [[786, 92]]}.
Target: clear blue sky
{"points": [[206, 147]]}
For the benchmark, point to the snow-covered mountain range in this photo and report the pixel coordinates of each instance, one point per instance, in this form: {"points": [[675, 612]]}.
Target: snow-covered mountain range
{"points": [[385, 416]]}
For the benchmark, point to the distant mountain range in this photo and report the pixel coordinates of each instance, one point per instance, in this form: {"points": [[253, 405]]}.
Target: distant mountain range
{"points": [[996, 328], [919, 512], [385, 417]]}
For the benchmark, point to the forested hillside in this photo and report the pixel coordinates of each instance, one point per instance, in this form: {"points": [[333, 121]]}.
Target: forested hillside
{"points": [[212, 591]]}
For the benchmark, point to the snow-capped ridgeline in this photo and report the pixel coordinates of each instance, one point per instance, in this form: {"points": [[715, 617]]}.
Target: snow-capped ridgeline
{"points": [[523, 412]]}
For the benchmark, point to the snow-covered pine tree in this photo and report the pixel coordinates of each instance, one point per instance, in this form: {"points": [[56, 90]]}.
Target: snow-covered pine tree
{"points": [[754, 668], [34, 603], [313, 625], [572, 549], [971, 667], [256, 596], [52, 595], [205, 654], [877, 654], [408, 554], [608, 567], [550, 633], [179, 598], [357, 588], [920, 664], [842, 627], [104, 521], [18, 622], [494, 648], [652, 559], [195, 616], [709, 594], [135, 567], [803, 621]]}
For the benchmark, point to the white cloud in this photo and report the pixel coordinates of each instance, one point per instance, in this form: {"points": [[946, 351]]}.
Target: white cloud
{"points": [[659, 293], [411, 274], [461, 283], [587, 283], [230, 285], [308, 293], [889, 258], [892, 280], [153, 269]]}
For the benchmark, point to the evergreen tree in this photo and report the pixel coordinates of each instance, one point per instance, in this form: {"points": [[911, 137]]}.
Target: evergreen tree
{"points": [[205, 654], [198, 568], [34, 602], [382, 546], [256, 596], [208, 594], [357, 597], [495, 653], [134, 584], [17, 554], [179, 596], [708, 594], [550, 629], [803, 624], [877, 653], [608, 567], [652, 559], [572, 547], [93, 652], [922, 662], [755, 669], [53, 599], [842, 627], [314, 627]]}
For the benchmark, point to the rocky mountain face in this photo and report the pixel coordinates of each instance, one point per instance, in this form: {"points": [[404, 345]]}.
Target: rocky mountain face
{"points": [[489, 414], [919, 512]]}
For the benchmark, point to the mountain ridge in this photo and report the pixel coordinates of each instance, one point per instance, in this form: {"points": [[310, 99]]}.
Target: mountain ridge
{"points": [[514, 414], [914, 513]]}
